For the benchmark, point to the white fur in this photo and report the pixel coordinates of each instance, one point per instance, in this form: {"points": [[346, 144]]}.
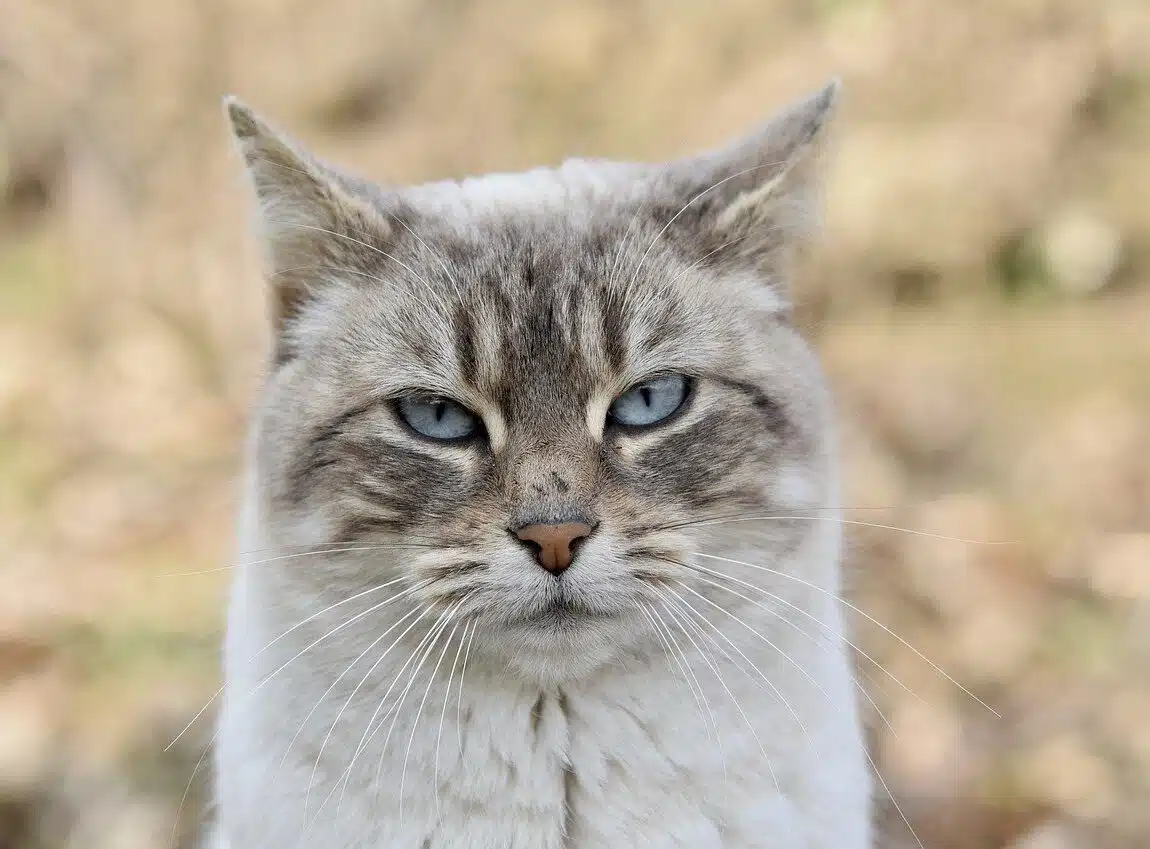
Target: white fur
{"points": [[648, 771]]}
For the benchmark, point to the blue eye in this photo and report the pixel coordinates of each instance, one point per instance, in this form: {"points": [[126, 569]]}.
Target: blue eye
{"points": [[650, 402], [437, 418]]}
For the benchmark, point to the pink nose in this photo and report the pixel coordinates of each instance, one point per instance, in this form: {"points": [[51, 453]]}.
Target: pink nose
{"points": [[554, 546]]}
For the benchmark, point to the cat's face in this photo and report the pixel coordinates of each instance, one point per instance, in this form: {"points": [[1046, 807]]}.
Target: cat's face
{"points": [[532, 396]]}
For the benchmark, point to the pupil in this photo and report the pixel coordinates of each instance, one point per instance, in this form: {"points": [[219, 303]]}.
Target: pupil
{"points": [[440, 410], [645, 394]]}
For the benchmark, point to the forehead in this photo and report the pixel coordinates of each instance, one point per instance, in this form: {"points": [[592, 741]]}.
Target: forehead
{"points": [[528, 289]]}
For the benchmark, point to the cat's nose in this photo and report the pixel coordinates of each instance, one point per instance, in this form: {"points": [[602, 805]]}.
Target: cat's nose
{"points": [[554, 546]]}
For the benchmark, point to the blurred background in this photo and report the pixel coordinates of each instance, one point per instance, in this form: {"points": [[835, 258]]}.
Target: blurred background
{"points": [[980, 298]]}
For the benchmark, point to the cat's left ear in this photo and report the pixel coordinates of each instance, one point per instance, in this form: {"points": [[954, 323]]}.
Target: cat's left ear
{"points": [[753, 201]]}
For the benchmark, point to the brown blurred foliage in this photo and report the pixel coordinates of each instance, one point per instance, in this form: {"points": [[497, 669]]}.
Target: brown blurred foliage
{"points": [[980, 299]]}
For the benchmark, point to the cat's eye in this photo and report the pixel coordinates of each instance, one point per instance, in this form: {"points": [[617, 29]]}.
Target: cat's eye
{"points": [[437, 417], [650, 402]]}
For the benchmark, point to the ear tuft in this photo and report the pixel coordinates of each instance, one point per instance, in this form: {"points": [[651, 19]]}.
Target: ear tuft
{"points": [[759, 194], [310, 217]]}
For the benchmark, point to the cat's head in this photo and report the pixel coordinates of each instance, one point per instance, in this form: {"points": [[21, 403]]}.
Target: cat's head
{"points": [[534, 396]]}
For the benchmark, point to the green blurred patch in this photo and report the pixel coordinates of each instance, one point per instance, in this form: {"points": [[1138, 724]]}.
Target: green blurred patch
{"points": [[33, 277], [122, 649], [1020, 271], [1086, 636]]}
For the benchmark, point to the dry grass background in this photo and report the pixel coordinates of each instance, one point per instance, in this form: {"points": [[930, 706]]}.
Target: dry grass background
{"points": [[980, 298]]}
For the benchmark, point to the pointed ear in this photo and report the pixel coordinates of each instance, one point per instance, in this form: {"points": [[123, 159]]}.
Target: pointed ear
{"points": [[757, 198], [311, 218]]}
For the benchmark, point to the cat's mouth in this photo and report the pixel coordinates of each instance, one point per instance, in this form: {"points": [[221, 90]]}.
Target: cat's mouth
{"points": [[563, 610]]}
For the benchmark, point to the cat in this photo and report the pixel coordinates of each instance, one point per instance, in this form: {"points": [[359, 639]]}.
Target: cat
{"points": [[539, 526]]}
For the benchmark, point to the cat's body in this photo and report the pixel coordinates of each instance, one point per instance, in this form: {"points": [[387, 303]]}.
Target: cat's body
{"points": [[577, 702]]}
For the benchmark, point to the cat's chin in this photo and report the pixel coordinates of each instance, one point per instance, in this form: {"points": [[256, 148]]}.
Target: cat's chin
{"points": [[563, 644]]}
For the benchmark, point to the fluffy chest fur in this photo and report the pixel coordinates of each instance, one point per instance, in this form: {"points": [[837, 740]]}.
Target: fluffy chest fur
{"points": [[703, 742]]}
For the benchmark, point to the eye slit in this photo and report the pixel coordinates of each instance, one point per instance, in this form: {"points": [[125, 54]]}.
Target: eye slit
{"points": [[651, 402], [438, 418]]}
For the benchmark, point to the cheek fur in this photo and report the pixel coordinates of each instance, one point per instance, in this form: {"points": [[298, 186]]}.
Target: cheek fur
{"points": [[725, 455]]}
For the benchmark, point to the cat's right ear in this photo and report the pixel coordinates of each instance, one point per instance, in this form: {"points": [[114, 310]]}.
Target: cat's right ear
{"points": [[310, 218]]}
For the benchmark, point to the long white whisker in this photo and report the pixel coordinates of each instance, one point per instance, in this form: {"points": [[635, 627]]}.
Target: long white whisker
{"points": [[438, 257], [310, 618], [346, 776], [419, 713], [893, 800], [291, 556], [187, 790], [698, 685], [682, 671], [368, 734], [702, 259], [774, 689], [195, 718], [841, 521], [825, 645], [327, 737], [830, 631], [865, 615], [440, 628], [623, 246], [443, 712], [398, 262], [334, 683], [739, 620], [316, 642], [722, 683], [462, 677]]}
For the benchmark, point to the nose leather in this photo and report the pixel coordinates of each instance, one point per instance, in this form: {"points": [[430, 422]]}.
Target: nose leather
{"points": [[555, 545]]}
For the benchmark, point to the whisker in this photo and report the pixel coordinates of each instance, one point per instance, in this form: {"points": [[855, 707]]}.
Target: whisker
{"points": [[730, 693], [438, 256], [314, 643], [333, 684], [698, 685], [195, 718], [833, 634], [419, 713], [300, 624], [687, 205], [862, 613], [703, 259], [856, 522], [893, 800], [443, 712], [870, 699], [462, 677], [622, 252], [187, 790], [774, 689], [398, 706], [718, 518], [315, 767], [406, 537], [820, 643], [672, 657], [268, 560], [762, 637], [345, 778]]}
